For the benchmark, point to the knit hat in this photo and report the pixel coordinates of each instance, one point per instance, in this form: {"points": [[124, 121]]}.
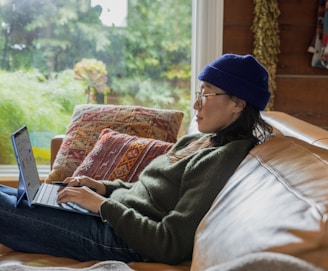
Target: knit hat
{"points": [[240, 76]]}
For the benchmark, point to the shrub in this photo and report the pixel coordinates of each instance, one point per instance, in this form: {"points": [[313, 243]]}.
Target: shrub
{"points": [[43, 105]]}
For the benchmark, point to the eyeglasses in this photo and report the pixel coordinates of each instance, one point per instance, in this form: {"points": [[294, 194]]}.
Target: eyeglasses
{"points": [[201, 97]]}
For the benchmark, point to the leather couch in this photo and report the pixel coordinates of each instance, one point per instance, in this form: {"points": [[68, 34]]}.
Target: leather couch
{"points": [[276, 202]]}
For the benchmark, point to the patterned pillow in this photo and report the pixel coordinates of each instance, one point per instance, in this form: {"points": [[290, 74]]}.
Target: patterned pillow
{"points": [[120, 156], [89, 120]]}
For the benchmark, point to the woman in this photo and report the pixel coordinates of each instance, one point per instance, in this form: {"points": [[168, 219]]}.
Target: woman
{"points": [[154, 219]]}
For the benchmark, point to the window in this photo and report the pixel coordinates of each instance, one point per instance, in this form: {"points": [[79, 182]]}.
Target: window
{"points": [[145, 46]]}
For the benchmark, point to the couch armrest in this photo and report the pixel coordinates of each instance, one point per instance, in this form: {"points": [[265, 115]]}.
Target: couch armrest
{"points": [[56, 141]]}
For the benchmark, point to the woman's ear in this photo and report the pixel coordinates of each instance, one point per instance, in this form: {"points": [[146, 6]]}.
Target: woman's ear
{"points": [[240, 104]]}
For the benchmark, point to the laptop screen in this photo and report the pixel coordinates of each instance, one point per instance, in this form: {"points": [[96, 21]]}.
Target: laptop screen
{"points": [[26, 163]]}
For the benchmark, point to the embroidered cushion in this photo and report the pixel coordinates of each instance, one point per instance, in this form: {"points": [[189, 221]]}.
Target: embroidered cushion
{"points": [[120, 156], [89, 120]]}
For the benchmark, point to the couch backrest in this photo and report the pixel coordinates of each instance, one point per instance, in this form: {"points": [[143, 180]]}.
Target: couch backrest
{"points": [[284, 125], [277, 200], [287, 125]]}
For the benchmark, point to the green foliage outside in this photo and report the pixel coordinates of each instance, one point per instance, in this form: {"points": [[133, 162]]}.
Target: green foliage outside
{"points": [[148, 62], [45, 106]]}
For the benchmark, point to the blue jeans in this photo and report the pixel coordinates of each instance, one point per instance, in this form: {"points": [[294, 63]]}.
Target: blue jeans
{"points": [[59, 233]]}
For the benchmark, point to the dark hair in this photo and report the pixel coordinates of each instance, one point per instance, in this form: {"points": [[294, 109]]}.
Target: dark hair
{"points": [[249, 124]]}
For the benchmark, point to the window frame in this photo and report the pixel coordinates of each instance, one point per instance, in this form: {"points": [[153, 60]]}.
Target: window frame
{"points": [[207, 18]]}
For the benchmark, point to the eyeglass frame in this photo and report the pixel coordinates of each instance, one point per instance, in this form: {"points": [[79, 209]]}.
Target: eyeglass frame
{"points": [[200, 98]]}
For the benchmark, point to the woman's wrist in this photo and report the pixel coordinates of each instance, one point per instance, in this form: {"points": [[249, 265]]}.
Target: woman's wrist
{"points": [[101, 188]]}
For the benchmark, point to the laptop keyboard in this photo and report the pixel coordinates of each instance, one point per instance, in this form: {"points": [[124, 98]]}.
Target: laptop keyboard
{"points": [[48, 196]]}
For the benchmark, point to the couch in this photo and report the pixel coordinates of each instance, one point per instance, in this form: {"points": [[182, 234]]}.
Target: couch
{"points": [[271, 215]]}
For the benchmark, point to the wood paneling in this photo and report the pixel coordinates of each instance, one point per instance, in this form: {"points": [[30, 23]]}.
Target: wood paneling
{"points": [[237, 21], [306, 98], [302, 90], [240, 40]]}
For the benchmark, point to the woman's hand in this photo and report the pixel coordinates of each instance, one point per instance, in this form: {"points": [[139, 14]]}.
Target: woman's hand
{"points": [[84, 191], [94, 185]]}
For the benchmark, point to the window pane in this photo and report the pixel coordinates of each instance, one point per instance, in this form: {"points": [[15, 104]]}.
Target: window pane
{"points": [[144, 45]]}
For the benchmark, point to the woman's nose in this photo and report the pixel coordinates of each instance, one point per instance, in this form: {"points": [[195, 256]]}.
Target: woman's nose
{"points": [[196, 106]]}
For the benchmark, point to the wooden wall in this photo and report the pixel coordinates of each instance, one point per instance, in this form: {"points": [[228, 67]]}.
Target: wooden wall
{"points": [[302, 90]]}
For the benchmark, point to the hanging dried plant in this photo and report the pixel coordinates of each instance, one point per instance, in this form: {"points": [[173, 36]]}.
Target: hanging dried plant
{"points": [[266, 39]]}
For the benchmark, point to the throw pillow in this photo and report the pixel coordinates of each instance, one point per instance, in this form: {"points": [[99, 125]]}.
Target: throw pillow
{"points": [[120, 156], [89, 120]]}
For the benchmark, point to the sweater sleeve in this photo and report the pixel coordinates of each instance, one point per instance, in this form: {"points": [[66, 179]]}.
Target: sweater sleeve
{"points": [[170, 240], [115, 184]]}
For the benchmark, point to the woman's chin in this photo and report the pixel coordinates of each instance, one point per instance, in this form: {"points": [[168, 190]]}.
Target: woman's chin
{"points": [[202, 129]]}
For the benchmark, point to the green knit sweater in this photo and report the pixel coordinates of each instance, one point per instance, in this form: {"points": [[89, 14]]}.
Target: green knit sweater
{"points": [[159, 214]]}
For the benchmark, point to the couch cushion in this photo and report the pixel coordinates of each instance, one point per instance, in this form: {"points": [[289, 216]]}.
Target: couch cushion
{"points": [[276, 201], [120, 156], [266, 261], [89, 120], [20, 261]]}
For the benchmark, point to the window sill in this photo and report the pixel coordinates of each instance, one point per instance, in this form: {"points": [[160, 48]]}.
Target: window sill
{"points": [[10, 173]]}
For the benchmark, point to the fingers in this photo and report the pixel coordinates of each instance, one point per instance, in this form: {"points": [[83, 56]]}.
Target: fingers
{"points": [[74, 181], [79, 182], [78, 190], [82, 196], [70, 181], [71, 194]]}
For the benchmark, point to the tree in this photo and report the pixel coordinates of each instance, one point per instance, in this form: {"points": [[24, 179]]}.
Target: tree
{"points": [[158, 37], [50, 35], [155, 44]]}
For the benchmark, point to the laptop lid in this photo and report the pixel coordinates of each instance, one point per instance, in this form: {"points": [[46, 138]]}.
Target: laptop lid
{"points": [[29, 181]]}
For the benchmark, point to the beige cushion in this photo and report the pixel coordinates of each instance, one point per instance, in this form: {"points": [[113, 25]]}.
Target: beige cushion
{"points": [[276, 201]]}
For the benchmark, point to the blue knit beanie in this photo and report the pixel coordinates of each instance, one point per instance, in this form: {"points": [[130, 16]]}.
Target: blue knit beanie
{"points": [[240, 76]]}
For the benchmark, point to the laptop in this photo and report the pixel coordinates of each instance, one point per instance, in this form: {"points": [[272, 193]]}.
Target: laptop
{"points": [[29, 185]]}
